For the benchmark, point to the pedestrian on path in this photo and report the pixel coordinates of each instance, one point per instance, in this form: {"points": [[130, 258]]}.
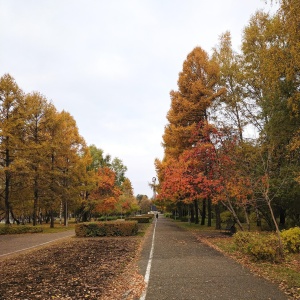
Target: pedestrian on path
{"points": [[156, 215]]}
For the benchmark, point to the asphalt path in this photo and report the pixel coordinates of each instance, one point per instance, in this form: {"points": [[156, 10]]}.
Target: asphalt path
{"points": [[17, 243], [182, 268]]}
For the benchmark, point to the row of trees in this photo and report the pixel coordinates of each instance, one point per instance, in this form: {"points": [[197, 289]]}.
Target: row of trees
{"points": [[211, 162], [46, 168]]}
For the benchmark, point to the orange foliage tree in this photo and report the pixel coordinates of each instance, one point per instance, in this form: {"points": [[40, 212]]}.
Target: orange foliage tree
{"points": [[206, 171], [106, 193]]}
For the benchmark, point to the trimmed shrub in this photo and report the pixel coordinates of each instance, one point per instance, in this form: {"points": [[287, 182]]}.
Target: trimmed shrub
{"points": [[140, 219], [258, 246], [8, 229], [291, 240], [113, 228], [149, 215], [108, 218]]}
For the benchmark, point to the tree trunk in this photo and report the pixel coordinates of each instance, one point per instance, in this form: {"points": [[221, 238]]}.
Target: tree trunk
{"points": [[51, 219], [35, 201], [7, 184], [282, 217], [203, 213], [192, 213], [196, 212], [218, 216], [66, 214], [280, 245], [247, 218], [258, 218], [209, 212], [6, 200], [234, 214]]}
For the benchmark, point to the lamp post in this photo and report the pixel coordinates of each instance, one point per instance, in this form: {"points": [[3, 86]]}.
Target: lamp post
{"points": [[154, 194], [154, 181]]}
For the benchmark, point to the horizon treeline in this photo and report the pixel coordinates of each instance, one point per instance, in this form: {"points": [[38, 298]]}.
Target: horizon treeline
{"points": [[46, 168], [233, 134]]}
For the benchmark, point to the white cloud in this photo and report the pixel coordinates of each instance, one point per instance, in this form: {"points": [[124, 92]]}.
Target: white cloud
{"points": [[111, 64]]}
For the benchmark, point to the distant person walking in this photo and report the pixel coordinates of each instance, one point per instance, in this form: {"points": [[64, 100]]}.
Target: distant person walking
{"points": [[156, 215]]}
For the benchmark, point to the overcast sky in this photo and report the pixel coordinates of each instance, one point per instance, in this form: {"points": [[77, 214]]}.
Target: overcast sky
{"points": [[112, 63]]}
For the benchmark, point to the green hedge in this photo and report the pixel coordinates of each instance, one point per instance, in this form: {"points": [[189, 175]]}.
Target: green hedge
{"points": [[8, 229], [112, 228], [141, 219], [108, 218]]}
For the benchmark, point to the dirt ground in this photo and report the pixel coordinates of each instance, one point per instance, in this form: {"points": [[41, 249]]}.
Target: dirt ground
{"points": [[76, 268]]}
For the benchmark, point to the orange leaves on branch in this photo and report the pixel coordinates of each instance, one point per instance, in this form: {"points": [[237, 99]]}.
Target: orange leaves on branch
{"points": [[106, 194], [206, 170]]}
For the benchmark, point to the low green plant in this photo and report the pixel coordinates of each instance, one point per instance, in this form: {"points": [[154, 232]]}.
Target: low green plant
{"points": [[259, 246], [19, 229], [226, 216], [291, 240]]}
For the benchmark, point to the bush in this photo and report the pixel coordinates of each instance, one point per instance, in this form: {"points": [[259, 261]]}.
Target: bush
{"points": [[8, 229], [291, 240], [107, 218], [114, 228], [149, 216], [258, 246], [141, 219], [226, 216]]}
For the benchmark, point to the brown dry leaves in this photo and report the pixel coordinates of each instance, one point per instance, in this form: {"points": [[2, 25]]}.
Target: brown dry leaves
{"points": [[79, 268]]}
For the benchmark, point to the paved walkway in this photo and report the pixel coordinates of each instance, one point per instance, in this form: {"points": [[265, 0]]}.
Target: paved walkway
{"points": [[16, 243], [182, 268]]}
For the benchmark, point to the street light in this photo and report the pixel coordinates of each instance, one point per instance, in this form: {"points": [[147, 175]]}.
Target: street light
{"points": [[154, 181], [154, 194]]}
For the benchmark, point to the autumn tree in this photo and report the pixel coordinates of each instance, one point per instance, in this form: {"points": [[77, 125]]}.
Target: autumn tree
{"points": [[198, 88], [267, 82], [36, 146], [106, 194], [70, 154], [144, 203], [127, 203], [11, 124], [231, 108], [98, 158], [120, 169]]}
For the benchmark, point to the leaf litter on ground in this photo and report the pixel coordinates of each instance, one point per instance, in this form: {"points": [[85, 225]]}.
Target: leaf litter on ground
{"points": [[76, 268]]}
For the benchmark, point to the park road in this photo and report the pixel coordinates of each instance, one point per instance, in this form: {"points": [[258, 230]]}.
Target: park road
{"points": [[16, 243], [182, 268]]}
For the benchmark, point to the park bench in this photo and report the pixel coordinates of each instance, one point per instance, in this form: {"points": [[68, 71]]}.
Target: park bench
{"points": [[230, 227]]}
